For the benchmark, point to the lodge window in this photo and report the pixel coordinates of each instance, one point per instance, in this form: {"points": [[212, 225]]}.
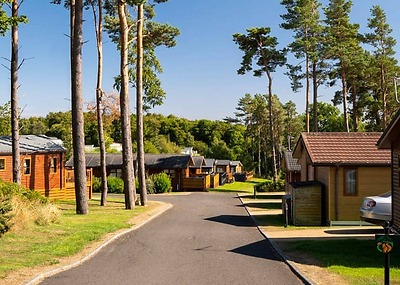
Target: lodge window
{"points": [[2, 163], [27, 166], [116, 172], [53, 164], [220, 169], [170, 172], [350, 182]]}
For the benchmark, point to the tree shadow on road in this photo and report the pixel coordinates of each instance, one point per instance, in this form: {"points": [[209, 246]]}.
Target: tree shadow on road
{"points": [[260, 249], [234, 220]]}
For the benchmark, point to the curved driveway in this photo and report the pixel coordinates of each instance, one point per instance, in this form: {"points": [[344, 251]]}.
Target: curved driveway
{"points": [[206, 238]]}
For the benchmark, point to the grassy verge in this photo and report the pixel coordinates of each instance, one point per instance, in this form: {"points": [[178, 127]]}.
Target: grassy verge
{"points": [[45, 245], [240, 187], [357, 261]]}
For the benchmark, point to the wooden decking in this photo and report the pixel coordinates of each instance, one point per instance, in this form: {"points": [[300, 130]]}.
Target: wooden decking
{"points": [[68, 192]]}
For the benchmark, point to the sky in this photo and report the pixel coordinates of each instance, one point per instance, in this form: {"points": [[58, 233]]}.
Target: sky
{"points": [[200, 74]]}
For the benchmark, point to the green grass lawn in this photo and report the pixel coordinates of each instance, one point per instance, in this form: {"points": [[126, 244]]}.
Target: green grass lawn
{"points": [[45, 245], [240, 187], [358, 261]]}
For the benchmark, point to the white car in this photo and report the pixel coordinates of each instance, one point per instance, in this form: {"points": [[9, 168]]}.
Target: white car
{"points": [[377, 209]]}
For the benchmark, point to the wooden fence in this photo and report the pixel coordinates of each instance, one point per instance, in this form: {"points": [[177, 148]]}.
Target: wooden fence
{"points": [[70, 184], [196, 183], [215, 180]]}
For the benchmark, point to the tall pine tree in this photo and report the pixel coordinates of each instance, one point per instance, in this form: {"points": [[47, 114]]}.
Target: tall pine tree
{"points": [[342, 45]]}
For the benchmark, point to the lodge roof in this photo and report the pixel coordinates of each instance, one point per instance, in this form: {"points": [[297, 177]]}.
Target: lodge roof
{"points": [[167, 161], [209, 162], [222, 162], [235, 163], [291, 164], [342, 148], [198, 161], [32, 144], [152, 161]]}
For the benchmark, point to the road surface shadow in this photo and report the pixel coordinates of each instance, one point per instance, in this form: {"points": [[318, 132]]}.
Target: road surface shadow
{"points": [[259, 249], [359, 231], [234, 220]]}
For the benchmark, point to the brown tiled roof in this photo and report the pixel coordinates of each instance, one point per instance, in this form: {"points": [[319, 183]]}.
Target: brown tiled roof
{"points": [[344, 148]]}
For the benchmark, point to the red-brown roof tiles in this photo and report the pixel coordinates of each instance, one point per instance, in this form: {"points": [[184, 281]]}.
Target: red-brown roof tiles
{"points": [[345, 148]]}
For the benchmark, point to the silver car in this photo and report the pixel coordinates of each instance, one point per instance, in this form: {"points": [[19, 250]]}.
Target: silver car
{"points": [[377, 209]]}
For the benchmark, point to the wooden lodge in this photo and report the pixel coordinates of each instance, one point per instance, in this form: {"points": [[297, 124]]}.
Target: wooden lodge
{"points": [[390, 140], [187, 172], [347, 166], [185, 175], [42, 166]]}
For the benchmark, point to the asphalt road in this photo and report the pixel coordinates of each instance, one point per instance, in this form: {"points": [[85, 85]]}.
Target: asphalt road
{"points": [[206, 238]]}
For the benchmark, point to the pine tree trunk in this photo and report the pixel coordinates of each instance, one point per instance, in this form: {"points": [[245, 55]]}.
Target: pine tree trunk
{"points": [[78, 134], [384, 99], [259, 153], [265, 154], [344, 94], [14, 98], [271, 128], [99, 97], [127, 156], [355, 110], [315, 97], [307, 66], [139, 108]]}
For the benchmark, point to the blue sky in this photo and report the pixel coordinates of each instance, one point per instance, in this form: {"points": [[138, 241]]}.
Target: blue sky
{"points": [[199, 77]]}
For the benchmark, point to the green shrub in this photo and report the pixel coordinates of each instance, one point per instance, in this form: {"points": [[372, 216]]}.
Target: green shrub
{"points": [[96, 184], [5, 214], [150, 185], [161, 183], [12, 189], [20, 206], [115, 185], [269, 186]]}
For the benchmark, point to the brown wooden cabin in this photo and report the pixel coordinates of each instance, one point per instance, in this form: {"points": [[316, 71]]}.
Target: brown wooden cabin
{"points": [[210, 166], [390, 140], [235, 167], [177, 166], [349, 167], [222, 167], [42, 165], [197, 169], [291, 168]]}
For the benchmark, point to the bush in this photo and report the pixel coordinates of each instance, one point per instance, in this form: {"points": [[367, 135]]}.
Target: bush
{"points": [[5, 214], [96, 184], [269, 186], [150, 185], [20, 207], [115, 185], [161, 183]]}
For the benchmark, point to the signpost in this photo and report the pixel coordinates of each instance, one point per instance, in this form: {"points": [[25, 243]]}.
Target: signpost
{"points": [[385, 244]]}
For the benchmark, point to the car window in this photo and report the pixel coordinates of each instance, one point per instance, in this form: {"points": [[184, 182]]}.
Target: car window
{"points": [[386, 195]]}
